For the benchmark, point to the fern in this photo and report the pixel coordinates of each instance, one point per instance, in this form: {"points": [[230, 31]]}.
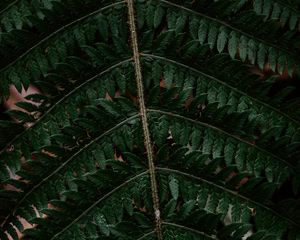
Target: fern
{"points": [[284, 12], [163, 119]]}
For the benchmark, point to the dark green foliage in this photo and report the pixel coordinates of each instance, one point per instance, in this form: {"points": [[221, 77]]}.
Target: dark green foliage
{"points": [[224, 126]]}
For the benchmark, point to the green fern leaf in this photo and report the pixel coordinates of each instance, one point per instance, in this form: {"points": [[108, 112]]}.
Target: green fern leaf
{"points": [[158, 119]]}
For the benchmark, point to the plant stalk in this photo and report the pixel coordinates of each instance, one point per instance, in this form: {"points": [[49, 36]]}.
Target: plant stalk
{"points": [[143, 114]]}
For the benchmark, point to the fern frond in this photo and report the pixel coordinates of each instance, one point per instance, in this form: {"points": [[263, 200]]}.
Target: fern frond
{"points": [[241, 44], [215, 141], [282, 11], [207, 198], [55, 117], [153, 120], [286, 12], [34, 192], [225, 99], [43, 56]]}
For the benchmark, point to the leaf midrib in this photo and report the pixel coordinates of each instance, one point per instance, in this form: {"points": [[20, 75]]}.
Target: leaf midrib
{"points": [[143, 114]]}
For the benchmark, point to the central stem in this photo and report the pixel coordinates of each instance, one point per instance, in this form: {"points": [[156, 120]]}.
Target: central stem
{"points": [[143, 113]]}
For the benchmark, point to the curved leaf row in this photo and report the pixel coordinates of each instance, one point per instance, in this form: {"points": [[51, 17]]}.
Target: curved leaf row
{"points": [[218, 101], [15, 14], [54, 48], [214, 142], [65, 103], [222, 36], [184, 39], [216, 95], [283, 11], [69, 138], [111, 219], [254, 86], [40, 22], [69, 67], [58, 120], [62, 115], [79, 168], [217, 207]]}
